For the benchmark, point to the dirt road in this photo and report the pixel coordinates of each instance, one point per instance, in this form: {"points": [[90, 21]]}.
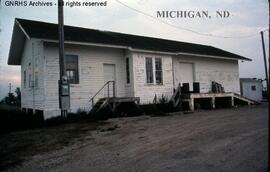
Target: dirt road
{"points": [[233, 139]]}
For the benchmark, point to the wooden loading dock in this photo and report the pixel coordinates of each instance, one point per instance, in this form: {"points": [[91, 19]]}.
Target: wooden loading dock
{"points": [[211, 99]]}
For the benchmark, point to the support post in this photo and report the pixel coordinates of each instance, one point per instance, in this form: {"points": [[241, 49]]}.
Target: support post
{"points": [[213, 102], [191, 104], [232, 101]]}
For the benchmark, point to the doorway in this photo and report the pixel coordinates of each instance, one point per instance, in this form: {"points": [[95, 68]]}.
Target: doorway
{"points": [[109, 75], [184, 73]]}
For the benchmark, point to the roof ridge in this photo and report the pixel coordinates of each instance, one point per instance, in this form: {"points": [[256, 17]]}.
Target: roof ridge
{"points": [[99, 30]]}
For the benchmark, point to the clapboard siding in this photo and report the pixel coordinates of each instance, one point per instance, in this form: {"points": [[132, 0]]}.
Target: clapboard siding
{"points": [[91, 60], [206, 70], [145, 91], [33, 97]]}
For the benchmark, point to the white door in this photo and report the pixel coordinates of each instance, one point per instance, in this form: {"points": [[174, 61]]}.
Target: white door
{"points": [[108, 75], [183, 73]]}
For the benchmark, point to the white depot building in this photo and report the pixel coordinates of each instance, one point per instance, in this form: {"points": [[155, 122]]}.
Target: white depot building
{"points": [[139, 66]]}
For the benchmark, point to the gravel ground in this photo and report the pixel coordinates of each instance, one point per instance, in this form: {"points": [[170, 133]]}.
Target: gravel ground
{"points": [[234, 139]]}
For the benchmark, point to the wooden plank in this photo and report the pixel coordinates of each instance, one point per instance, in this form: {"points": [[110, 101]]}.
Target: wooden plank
{"points": [[249, 101], [124, 99], [210, 95]]}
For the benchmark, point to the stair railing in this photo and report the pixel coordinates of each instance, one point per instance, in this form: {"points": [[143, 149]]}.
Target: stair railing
{"points": [[108, 95]]}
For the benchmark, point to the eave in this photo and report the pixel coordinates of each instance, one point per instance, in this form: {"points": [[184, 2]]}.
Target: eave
{"points": [[17, 44]]}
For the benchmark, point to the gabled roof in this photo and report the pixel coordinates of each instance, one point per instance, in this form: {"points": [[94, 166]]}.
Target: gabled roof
{"points": [[49, 31]]}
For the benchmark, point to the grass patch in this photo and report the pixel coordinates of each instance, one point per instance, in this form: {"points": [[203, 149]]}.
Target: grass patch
{"points": [[23, 135], [12, 119], [21, 145]]}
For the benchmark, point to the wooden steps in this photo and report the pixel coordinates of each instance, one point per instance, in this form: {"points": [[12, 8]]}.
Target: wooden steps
{"points": [[110, 105], [176, 98]]}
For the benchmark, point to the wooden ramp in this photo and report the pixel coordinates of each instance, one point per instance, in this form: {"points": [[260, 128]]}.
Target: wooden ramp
{"points": [[249, 101], [212, 98]]}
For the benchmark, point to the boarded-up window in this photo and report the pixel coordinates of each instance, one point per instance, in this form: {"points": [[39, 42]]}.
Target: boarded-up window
{"points": [[72, 68], [158, 65], [29, 75], [127, 70], [24, 79], [149, 70]]}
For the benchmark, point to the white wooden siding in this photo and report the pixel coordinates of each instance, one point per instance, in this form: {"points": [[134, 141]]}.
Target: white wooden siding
{"points": [[206, 70], [184, 72], [91, 60], [145, 91], [33, 98]]}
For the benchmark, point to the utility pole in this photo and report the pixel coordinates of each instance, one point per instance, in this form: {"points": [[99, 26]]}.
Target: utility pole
{"points": [[265, 65], [61, 38], [9, 87], [64, 99]]}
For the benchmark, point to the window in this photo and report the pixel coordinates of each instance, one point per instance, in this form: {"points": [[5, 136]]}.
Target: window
{"points": [[24, 79], [253, 87], [29, 75], [157, 70], [158, 65], [149, 70], [127, 70], [72, 68], [71, 75], [36, 77]]}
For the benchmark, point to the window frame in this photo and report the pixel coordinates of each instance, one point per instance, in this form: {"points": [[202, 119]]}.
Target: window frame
{"points": [[70, 67], [127, 70], [30, 75], [158, 71], [149, 79]]}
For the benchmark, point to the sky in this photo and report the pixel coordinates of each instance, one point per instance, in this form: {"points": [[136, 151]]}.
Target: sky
{"points": [[241, 29]]}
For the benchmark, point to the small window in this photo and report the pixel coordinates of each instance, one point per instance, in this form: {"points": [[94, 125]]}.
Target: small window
{"points": [[127, 70], [30, 82], [72, 71], [149, 70], [24, 79], [158, 65], [253, 87], [36, 78], [29, 75]]}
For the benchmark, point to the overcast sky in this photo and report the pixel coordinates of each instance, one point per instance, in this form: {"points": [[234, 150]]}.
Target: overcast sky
{"points": [[247, 18]]}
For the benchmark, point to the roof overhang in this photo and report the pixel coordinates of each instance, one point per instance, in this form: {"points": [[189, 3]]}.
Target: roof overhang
{"points": [[19, 37], [211, 56], [144, 51], [17, 44]]}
